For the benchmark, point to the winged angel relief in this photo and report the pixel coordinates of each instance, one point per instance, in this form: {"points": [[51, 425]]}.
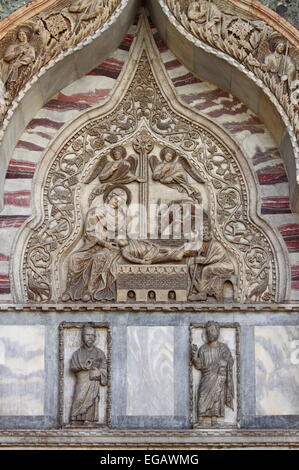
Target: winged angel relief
{"points": [[142, 205]]}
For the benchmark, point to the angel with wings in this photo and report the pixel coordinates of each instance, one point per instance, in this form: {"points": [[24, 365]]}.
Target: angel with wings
{"points": [[119, 169], [171, 170]]}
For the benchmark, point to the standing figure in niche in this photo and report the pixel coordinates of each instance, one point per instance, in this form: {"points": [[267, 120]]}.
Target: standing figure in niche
{"points": [[92, 268], [216, 387], [171, 170], [89, 364], [120, 169]]}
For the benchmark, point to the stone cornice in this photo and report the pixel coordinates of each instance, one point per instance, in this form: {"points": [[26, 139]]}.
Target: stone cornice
{"points": [[149, 439]]}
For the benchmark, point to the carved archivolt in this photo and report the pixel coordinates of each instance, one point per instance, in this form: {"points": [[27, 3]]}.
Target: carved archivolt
{"points": [[43, 38], [144, 146], [249, 40]]}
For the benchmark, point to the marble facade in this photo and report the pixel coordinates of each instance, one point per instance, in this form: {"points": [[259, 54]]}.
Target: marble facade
{"points": [[152, 387]]}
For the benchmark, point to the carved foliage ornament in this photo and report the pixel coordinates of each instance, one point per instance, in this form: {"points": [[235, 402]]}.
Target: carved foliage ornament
{"points": [[65, 259], [250, 41], [44, 37]]}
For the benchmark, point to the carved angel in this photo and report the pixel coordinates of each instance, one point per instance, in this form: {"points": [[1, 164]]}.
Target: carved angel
{"points": [[120, 169], [171, 170]]}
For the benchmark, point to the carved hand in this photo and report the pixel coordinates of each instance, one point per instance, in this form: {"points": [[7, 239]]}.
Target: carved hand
{"points": [[88, 364], [194, 350]]}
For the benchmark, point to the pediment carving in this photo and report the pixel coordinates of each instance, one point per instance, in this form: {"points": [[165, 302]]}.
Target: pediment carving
{"points": [[107, 195]]}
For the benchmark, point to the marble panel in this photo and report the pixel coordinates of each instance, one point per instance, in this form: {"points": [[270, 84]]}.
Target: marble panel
{"points": [[150, 371], [277, 370], [22, 381]]}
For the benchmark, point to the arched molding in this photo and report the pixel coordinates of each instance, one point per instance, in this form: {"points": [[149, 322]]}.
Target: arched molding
{"points": [[222, 65]]}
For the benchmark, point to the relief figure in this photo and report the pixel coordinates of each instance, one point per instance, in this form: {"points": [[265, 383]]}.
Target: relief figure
{"points": [[204, 12], [119, 169], [210, 269], [92, 268], [89, 364], [16, 56], [216, 387], [171, 170]]}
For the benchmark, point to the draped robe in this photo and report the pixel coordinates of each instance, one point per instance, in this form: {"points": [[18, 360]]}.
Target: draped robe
{"points": [[87, 391], [216, 388]]}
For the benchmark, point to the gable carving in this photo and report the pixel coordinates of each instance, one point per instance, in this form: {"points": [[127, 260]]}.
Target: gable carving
{"points": [[106, 194]]}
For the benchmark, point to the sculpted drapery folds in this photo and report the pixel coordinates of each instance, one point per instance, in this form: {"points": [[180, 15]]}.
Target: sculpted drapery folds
{"points": [[210, 270], [120, 169], [89, 364], [15, 56], [92, 268], [216, 387]]}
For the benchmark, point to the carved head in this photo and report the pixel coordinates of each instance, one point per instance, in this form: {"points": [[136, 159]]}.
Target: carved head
{"points": [[88, 335], [118, 153], [22, 36], [168, 154], [212, 329], [280, 47], [116, 198]]}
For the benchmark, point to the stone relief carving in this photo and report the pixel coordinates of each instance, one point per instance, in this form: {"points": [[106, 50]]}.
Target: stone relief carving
{"points": [[248, 40], [72, 256], [89, 364], [216, 387], [210, 270], [84, 399], [43, 37]]}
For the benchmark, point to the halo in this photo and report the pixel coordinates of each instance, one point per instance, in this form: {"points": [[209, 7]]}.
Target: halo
{"points": [[118, 186]]}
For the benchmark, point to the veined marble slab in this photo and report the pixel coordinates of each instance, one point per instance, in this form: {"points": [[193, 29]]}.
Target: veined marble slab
{"points": [[277, 370], [150, 371], [22, 369]]}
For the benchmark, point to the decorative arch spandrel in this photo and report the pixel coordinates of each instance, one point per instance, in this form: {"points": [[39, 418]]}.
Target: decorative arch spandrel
{"points": [[57, 255]]}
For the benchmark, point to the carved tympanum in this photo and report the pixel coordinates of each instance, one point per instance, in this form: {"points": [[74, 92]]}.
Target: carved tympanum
{"points": [[216, 387], [112, 194]]}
